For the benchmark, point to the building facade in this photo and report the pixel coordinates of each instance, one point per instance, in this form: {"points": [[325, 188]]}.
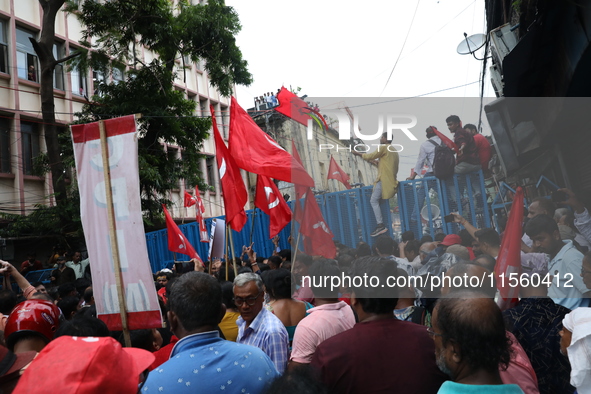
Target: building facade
{"points": [[22, 185], [316, 152]]}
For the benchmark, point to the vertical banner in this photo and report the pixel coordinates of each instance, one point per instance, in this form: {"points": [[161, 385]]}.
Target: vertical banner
{"points": [[217, 240], [140, 297]]}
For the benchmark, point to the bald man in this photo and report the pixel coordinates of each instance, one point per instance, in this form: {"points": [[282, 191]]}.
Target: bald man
{"points": [[519, 370], [471, 344]]}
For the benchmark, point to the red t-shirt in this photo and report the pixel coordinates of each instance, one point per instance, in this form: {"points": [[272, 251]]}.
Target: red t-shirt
{"points": [[35, 266], [163, 354], [382, 356], [484, 150]]}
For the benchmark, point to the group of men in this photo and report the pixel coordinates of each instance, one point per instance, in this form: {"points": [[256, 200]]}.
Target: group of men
{"points": [[473, 154]]}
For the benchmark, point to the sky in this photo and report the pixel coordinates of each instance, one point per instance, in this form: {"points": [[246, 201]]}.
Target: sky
{"points": [[344, 49]]}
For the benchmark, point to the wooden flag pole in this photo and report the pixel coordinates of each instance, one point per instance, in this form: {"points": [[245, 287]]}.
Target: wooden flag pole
{"points": [[232, 249], [254, 216], [227, 249], [295, 254], [113, 234]]}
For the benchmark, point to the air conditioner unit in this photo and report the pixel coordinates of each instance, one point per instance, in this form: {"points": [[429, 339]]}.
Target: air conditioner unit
{"points": [[496, 80], [502, 41]]}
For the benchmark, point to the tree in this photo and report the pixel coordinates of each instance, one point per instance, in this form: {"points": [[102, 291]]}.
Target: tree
{"points": [[197, 32], [174, 33], [47, 63]]}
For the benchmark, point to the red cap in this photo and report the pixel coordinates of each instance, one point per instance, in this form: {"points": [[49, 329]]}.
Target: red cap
{"points": [[452, 239], [86, 365], [32, 316]]}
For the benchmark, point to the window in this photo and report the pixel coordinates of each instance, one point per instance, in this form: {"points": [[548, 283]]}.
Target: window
{"points": [[30, 142], [3, 48], [59, 52], [79, 82], [210, 162], [26, 59], [118, 74], [98, 78], [223, 121], [5, 146]]}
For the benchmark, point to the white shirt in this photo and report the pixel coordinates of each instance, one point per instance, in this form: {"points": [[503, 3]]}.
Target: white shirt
{"points": [[583, 224], [567, 286], [426, 155]]}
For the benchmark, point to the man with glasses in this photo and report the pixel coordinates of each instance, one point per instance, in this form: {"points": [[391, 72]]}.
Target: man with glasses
{"points": [[256, 325], [470, 344], [201, 361]]}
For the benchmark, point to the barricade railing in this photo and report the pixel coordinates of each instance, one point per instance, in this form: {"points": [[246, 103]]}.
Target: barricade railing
{"points": [[424, 203], [348, 214]]}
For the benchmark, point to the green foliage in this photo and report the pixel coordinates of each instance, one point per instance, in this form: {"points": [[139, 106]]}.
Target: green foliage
{"points": [[44, 221], [199, 32], [167, 118], [40, 165]]}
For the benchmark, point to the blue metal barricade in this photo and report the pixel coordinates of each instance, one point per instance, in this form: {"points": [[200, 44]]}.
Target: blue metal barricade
{"points": [[423, 203], [348, 214]]}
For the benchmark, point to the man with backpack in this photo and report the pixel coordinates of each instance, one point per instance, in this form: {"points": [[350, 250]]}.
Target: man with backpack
{"points": [[426, 159]]}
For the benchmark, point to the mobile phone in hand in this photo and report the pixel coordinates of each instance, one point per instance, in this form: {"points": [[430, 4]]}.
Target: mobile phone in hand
{"points": [[448, 218]]}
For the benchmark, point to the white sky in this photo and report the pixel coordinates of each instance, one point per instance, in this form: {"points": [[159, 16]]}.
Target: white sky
{"points": [[336, 48], [344, 48]]}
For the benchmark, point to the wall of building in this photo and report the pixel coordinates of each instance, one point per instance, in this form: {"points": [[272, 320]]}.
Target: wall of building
{"points": [[20, 106], [316, 161]]}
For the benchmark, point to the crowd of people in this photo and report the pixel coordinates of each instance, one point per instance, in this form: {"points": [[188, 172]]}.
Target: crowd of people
{"points": [[271, 324], [266, 101], [270, 327]]}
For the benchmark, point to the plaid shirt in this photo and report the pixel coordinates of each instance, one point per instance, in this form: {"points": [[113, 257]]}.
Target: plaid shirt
{"points": [[470, 151], [535, 322], [267, 333]]}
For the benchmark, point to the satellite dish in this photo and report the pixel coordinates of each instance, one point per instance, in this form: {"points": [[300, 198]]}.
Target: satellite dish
{"points": [[471, 44], [435, 212]]}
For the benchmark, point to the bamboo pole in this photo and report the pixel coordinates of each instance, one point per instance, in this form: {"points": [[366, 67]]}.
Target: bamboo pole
{"points": [[232, 249], [113, 234], [227, 249]]}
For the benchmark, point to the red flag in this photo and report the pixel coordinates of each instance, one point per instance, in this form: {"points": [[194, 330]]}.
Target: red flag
{"points": [[299, 190], [255, 151], [509, 258], [177, 242], [189, 200], [200, 210], [269, 200], [297, 109], [318, 241], [336, 172], [292, 106], [449, 143], [234, 191]]}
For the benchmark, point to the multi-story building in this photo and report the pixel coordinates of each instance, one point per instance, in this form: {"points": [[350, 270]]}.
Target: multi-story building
{"points": [[21, 125]]}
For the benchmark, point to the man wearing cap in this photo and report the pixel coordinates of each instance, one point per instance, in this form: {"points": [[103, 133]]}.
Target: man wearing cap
{"points": [[536, 322], [202, 362], [62, 274]]}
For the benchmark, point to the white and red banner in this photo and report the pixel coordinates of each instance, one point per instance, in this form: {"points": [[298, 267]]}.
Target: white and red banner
{"points": [[139, 290]]}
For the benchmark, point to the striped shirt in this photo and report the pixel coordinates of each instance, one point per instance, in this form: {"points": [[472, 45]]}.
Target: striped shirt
{"points": [[268, 334]]}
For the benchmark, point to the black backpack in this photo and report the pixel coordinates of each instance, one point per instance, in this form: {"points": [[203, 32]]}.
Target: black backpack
{"points": [[444, 161]]}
